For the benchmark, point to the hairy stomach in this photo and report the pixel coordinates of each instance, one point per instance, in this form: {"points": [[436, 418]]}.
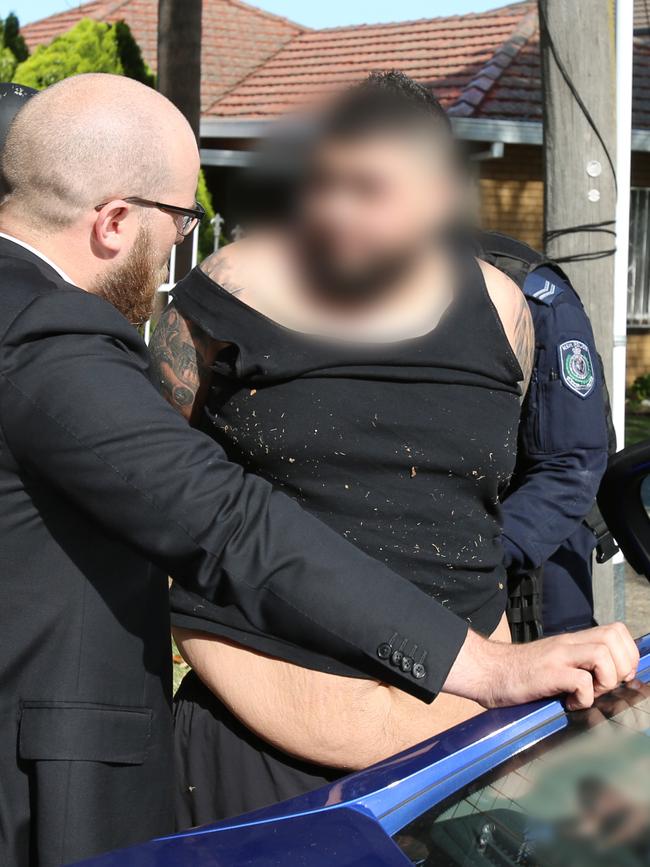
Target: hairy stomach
{"points": [[328, 719]]}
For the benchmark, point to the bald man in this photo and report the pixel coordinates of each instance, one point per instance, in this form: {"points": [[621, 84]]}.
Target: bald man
{"points": [[104, 490]]}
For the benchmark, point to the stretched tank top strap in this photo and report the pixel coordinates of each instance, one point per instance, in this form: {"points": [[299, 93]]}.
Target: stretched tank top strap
{"points": [[472, 337], [210, 306], [228, 320]]}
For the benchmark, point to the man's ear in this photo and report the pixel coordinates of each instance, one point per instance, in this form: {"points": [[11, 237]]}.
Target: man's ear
{"points": [[108, 230]]}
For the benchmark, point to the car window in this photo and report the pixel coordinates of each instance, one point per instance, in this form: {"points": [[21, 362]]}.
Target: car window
{"points": [[579, 797]]}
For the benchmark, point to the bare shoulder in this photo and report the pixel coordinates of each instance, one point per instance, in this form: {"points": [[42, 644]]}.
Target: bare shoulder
{"points": [[182, 353], [503, 291], [250, 268], [512, 307], [227, 265]]}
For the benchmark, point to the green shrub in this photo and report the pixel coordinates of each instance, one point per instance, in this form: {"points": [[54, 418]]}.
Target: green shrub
{"points": [[13, 49], [640, 388], [7, 64], [12, 38], [131, 60], [89, 46], [206, 232]]}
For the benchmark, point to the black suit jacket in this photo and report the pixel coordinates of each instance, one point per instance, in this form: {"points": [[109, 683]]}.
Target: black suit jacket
{"points": [[104, 490]]}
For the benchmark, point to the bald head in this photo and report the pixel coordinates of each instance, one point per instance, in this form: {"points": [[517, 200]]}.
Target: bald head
{"points": [[90, 139]]}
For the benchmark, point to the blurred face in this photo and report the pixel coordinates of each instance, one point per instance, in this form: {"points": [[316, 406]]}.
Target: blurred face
{"points": [[370, 205]]}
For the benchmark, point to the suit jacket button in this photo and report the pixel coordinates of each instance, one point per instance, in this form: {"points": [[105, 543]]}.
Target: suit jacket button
{"points": [[407, 664], [384, 651], [396, 658], [419, 670]]}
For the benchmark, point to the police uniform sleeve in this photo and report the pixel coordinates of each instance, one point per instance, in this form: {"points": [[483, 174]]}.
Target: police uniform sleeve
{"points": [[562, 452], [77, 408]]}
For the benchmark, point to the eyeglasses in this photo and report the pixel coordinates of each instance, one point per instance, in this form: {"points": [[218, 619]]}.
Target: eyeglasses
{"points": [[189, 217]]}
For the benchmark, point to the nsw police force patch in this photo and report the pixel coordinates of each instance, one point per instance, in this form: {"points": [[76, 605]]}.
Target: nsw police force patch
{"points": [[576, 367]]}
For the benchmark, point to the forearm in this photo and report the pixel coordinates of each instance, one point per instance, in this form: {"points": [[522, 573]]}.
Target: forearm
{"points": [[342, 722], [554, 498], [351, 723], [316, 717], [582, 665]]}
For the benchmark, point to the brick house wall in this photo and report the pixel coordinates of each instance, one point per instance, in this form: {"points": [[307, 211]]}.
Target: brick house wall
{"points": [[512, 201], [638, 354], [512, 194]]}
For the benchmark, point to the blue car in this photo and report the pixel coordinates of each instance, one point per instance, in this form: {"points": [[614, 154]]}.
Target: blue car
{"points": [[533, 785]]}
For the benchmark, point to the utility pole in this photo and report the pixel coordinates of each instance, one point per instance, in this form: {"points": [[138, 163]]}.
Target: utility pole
{"points": [[179, 77], [577, 43]]}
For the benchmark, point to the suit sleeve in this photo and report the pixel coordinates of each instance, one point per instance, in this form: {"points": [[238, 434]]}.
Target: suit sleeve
{"points": [[562, 441], [77, 409]]}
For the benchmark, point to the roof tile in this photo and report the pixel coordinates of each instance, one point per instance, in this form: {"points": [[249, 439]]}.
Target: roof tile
{"points": [[460, 57], [237, 37], [258, 65]]}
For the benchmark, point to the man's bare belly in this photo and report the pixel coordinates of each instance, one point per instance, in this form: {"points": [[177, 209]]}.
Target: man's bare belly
{"points": [[323, 718]]}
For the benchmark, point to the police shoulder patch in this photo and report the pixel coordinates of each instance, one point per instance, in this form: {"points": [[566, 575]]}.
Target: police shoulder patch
{"points": [[544, 285], [577, 367]]}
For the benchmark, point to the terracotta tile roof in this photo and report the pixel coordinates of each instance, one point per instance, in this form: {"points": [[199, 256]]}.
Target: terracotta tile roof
{"points": [[446, 53], [483, 65], [237, 37], [43, 31], [517, 94], [257, 65]]}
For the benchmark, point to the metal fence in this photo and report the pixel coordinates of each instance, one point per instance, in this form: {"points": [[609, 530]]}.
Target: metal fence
{"points": [[638, 301], [165, 291]]}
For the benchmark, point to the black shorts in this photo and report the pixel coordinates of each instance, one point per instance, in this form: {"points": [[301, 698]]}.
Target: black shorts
{"points": [[223, 769]]}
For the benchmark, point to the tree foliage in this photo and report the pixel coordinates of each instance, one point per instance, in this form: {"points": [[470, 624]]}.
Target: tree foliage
{"points": [[7, 63], [128, 50], [13, 49], [13, 39], [206, 231], [89, 46]]}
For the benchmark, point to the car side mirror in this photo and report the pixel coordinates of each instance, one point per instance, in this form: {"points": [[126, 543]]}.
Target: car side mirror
{"points": [[624, 501]]}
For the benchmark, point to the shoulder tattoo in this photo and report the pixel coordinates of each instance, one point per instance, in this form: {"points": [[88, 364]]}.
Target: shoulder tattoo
{"points": [[219, 268], [524, 340]]}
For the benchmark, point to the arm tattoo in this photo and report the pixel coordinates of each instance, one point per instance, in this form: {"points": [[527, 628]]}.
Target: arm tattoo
{"points": [[181, 357], [524, 341], [219, 269]]}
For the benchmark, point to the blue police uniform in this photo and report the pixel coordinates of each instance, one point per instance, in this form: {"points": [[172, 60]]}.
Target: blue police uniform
{"points": [[562, 455]]}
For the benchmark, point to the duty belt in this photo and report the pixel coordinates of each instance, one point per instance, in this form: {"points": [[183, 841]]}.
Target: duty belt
{"points": [[524, 608], [606, 545]]}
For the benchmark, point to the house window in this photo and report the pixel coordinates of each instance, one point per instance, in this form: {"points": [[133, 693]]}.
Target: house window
{"points": [[638, 300]]}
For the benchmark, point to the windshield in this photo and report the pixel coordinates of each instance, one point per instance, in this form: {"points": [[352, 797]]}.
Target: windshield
{"points": [[579, 797]]}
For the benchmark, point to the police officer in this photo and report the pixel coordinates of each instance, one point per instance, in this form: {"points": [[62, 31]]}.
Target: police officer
{"points": [[562, 455]]}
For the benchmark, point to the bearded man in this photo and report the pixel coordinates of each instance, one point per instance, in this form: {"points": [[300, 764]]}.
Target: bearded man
{"points": [[364, 363], [105, 491]]}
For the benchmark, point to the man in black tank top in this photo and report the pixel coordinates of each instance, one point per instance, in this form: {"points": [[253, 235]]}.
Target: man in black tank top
{"points": [[372, 370]]}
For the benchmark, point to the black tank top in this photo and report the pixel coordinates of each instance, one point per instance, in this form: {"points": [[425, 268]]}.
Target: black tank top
{"points": [[402, 447]]}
